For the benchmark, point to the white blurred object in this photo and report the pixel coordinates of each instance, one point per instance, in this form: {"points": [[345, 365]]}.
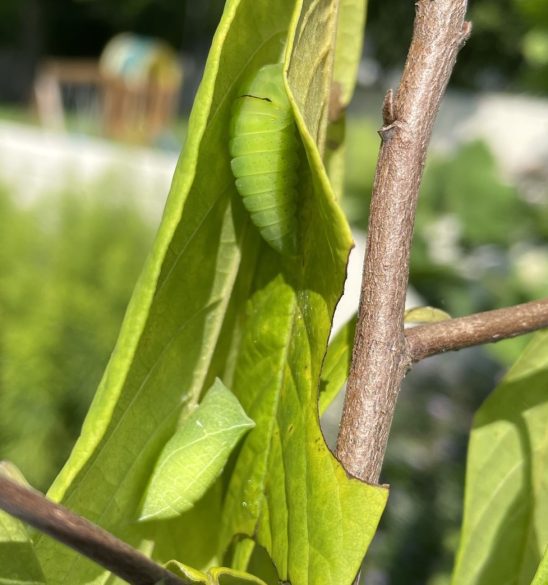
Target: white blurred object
{"points": [[514, 126], [443, 236], [35, 163], [348, 305], [369, 72]]}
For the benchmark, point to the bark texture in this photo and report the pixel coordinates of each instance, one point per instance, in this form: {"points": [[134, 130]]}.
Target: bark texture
{"points": [[80, 534], [477, 329], [379, 364]]}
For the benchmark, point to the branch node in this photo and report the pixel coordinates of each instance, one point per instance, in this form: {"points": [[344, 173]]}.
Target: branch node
{"points": [[386, 132], [388, 113], [465, 33]]}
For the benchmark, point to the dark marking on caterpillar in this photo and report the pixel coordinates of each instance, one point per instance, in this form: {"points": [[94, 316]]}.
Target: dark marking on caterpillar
{"points": [[255, 97], [264, 147]]}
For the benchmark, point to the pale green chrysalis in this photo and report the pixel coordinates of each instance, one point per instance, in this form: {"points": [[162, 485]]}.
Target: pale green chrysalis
{"points": [[265, 157]]}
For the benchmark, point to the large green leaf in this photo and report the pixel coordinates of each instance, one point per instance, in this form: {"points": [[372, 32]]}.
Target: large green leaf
{"points": [[18, 562], [287, 490], [168, 337], [215, 300], [505, 527]]}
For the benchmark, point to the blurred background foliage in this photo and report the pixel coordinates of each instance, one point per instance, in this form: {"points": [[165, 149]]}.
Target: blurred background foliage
{"points": [[508, 49], [66, 272], [68, 263]]}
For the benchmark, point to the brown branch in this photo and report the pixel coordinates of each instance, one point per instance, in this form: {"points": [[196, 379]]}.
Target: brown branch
{"points": [[487, 327], [83, 536], [378, 363]]}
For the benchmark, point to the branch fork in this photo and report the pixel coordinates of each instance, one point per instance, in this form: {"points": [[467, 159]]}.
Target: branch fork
{"points": [[383, 352]]}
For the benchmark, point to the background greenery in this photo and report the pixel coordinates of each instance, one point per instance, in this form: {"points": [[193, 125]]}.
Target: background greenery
{"points": [[509, 47], [67, 268]]}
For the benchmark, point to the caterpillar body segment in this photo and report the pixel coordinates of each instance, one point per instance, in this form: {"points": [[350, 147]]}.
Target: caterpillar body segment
{"points": [[265, 158]]}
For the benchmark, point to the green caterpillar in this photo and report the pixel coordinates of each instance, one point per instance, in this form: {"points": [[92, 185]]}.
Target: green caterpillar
{"points": [[265, 157]]}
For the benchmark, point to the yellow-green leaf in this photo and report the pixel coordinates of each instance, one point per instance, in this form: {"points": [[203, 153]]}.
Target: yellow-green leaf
{"points": [[349, 45], [541, 576], [505, 527], [213, 576], [348, 52]]}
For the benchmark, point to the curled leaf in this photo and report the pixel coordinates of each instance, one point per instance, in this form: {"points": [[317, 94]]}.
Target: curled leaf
{"points": [[196, 454]]}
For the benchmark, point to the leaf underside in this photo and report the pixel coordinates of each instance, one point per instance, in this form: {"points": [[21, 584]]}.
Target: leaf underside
{"points": [[505, 527]]}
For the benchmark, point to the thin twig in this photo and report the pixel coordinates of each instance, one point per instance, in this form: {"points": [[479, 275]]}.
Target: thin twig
{"points": [[378, 364], [486, 327], [83, 536]]}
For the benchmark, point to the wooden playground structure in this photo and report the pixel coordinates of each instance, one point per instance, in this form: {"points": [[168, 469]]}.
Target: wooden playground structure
{"points": [[132, 89]]}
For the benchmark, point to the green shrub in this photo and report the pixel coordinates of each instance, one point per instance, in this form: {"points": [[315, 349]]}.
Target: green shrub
{"points": [[67, 266]]}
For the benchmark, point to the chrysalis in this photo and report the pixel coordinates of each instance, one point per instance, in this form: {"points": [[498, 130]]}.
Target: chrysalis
{"points": [[265, 157]]}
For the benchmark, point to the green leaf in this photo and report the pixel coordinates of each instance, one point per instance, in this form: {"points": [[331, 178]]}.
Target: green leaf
{"points": [[541, 576], [168, 338], [196, 454], [215, 300], [18, 562], [336, 364], [425, 315], [307, 55], [287, 490], [348, 45], [171, 540], [505, 527]]}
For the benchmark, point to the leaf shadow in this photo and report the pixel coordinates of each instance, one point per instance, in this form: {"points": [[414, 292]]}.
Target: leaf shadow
{"points": [[23, 567], [516, 549]]}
